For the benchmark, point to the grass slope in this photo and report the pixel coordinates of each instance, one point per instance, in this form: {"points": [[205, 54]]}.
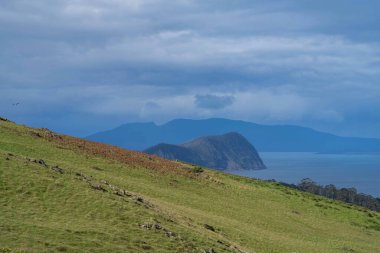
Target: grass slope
{"points": [[89, 197]]}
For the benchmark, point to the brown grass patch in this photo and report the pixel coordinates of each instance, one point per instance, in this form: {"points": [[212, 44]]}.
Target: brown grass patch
{"points": [[128, 157]]}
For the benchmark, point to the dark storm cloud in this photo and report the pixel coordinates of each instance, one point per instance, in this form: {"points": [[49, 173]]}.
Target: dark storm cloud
{"points": [[302, 62]]}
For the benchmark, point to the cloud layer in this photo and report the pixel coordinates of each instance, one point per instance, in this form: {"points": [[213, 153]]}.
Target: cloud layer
{"points": [[79, 66]]}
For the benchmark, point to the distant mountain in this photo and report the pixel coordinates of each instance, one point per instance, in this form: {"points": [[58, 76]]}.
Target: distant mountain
{"points": [[228, 151], [276, 138]]}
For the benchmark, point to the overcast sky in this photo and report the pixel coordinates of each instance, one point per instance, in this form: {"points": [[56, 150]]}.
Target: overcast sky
{"points": [[80, 66]]}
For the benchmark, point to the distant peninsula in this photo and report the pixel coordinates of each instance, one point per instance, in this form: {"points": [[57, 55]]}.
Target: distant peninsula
{"points": [[230, 151]]}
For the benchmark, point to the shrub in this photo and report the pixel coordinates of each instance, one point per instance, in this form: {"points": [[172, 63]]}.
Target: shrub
{"points": [[198, 169]]}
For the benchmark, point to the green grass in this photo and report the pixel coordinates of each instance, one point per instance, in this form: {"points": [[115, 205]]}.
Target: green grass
{"points": [[42, 210]]}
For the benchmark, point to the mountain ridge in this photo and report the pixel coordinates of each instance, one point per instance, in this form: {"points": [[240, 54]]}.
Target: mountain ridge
{"points": [[266, 138]]}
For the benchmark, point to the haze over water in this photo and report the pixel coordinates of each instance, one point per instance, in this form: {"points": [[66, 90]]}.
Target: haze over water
{"points": [[361, 171]]}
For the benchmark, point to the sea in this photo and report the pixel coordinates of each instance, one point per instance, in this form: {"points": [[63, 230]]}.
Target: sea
{"points": [[361, 171]]}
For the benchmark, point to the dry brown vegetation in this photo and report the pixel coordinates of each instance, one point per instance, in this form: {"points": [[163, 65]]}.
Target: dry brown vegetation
{"points": [[132, 158]]}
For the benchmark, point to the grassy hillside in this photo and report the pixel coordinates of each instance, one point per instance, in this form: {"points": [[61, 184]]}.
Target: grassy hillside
{"points": [[62, 194]]}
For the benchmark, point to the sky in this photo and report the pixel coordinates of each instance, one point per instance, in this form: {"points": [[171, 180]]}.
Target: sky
{"points": [[81, 66]]}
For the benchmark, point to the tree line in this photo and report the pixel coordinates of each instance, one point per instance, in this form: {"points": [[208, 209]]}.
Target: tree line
{"points": [[348, 195]]}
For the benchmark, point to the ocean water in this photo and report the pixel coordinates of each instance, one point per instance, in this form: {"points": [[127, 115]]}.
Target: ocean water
{"points": [[361, 171]]}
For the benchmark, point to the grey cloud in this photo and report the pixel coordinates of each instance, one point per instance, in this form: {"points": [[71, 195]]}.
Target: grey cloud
{"points": [[128, 42], [213, 102], [152, 105]]}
